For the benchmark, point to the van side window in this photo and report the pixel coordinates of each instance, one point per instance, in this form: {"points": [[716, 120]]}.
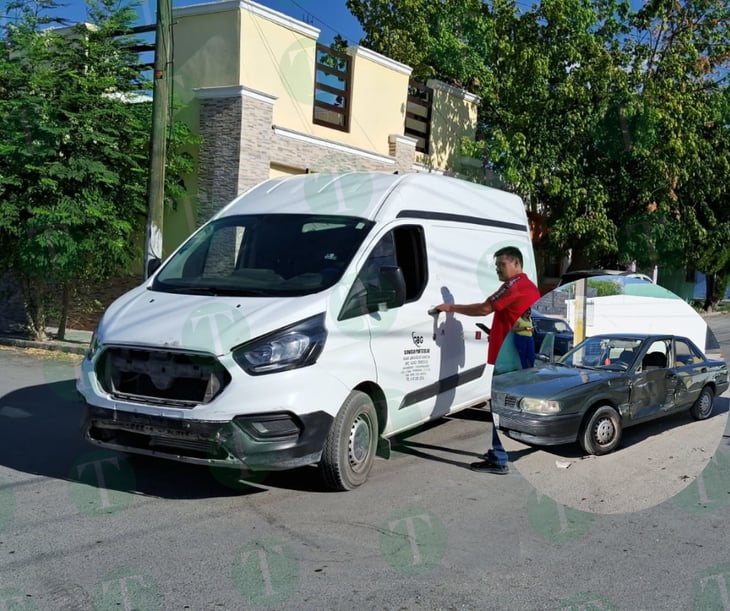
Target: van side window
{"points": [[403, 247], [410, 247]]}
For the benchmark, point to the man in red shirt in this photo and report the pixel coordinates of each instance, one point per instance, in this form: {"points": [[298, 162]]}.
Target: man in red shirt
{"points": [[516, 294]]}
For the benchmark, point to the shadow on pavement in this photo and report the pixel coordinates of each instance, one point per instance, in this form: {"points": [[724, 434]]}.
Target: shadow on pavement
{"points": [[41, 430]]}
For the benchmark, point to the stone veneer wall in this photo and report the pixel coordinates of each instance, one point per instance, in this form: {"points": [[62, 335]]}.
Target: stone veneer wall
{"points": [[235, 124], [403, 149], [240, 144]]}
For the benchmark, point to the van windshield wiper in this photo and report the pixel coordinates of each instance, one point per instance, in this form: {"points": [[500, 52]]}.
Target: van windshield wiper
{"points": [[215, 291]]}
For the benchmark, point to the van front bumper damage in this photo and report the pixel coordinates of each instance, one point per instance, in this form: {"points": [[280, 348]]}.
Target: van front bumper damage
{"points": [[264, 442]]}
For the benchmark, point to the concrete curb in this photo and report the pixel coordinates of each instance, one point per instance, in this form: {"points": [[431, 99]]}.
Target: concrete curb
{"points": [[79, 346], [51, 345]]}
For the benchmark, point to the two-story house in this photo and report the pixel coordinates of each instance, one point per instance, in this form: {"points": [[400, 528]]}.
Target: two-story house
{"points": [[269, 100]]}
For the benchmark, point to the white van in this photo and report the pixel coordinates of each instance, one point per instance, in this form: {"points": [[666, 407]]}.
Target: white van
{"points": [[293, 329]]}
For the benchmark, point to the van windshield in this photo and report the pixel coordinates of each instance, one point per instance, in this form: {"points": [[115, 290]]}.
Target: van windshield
{"points": [[264, 255]]}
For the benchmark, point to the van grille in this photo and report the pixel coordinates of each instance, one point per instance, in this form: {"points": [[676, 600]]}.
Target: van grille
{"points": [[161, 377]]}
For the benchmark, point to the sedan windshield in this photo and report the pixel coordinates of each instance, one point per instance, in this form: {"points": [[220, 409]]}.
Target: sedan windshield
{"points": [[598, 352], [264, 255]]}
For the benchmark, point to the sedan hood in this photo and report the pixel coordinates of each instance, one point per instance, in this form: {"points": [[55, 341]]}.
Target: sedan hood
{"points": [[549, 381], [205, 323]]}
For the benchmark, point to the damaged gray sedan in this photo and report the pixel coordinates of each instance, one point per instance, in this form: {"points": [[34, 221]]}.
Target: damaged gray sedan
{"points": [[603, 385]]}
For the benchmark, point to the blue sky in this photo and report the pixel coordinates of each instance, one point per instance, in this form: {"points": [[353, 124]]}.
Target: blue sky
{"points": [[330, 16]]}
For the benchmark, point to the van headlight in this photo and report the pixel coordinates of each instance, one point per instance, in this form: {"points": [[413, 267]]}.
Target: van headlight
{"points": [[295, 346], [539, 406]]}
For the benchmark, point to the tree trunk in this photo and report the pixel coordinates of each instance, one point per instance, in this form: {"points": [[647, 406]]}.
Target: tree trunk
{"points": [[65, 300], [715, 286], [36, 313], [35, 303]]}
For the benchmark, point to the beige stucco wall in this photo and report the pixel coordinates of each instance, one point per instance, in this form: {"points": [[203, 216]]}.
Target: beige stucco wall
{"points": [[278, 58], [453, 115], [206, 51], [379, 92], [223, 44]]}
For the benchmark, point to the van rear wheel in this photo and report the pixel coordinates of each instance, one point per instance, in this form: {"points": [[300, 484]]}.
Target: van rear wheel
{"points": [[350, 447]]}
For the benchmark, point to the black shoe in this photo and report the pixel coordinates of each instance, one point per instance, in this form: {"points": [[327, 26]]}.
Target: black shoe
{"points": [[489, 456], [487, 466]]}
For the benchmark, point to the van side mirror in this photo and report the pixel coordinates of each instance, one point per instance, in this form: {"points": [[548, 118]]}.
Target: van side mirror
{"points": [[389, 293], [152, 266], [392, 286]]}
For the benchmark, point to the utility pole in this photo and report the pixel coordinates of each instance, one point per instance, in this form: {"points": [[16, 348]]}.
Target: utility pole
{"points": [[579, 324], [158, 149]]}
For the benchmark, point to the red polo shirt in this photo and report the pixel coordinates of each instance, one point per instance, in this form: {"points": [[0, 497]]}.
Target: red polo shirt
{"points": [[509, 302]]}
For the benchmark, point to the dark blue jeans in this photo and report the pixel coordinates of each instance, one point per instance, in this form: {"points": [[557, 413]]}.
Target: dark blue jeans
{"points": [[499, 454], [525, 346]]}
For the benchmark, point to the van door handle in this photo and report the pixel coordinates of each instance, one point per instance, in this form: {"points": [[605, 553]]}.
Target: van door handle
{"points": [[483, 327]]}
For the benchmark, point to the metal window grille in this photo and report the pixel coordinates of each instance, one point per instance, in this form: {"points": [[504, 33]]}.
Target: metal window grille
{"points": [[332, 88]]}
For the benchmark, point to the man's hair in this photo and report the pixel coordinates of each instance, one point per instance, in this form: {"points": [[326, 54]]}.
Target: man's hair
{"points": [[510, 251]]}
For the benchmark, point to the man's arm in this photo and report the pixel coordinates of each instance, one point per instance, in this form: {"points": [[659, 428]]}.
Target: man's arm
{"points": [[471, 309]]}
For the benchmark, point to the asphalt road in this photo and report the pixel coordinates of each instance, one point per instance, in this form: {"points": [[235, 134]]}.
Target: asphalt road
{"points": [[87, 529]]}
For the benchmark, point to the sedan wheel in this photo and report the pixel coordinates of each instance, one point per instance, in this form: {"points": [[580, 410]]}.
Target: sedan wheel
{"points": [[601, 432], [702, 408]]}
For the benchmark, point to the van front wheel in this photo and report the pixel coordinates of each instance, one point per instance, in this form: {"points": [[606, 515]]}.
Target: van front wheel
{"points": [[349, 450]]}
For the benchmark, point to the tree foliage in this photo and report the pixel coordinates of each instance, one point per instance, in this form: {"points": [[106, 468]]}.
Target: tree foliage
{"points": [[73, 157], [610, 120]]}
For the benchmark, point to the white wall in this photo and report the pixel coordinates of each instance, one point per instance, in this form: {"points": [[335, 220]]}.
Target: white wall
{"points": [[634, 314]]}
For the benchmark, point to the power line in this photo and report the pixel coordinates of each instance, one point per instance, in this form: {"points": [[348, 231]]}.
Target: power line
{"points": [[324, 23]]}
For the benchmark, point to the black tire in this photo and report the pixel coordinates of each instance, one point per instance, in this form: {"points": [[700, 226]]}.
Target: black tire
{"points": [[702, 408], [350, 447], [601, 431]]}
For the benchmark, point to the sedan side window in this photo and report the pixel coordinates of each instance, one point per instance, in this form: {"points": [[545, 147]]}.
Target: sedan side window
{"points": [[657, 356], [685, 353]]}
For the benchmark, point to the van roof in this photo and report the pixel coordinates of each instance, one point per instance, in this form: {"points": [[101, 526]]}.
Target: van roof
{"points": [[380, 196]]}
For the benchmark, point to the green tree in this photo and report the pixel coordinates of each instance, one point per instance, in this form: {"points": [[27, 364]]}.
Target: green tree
{"points": [[74, 153], [545, 77], [674, 190], [597, 115]]}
